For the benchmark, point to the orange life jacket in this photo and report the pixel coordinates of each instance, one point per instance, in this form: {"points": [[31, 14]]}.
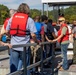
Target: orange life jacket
{"points": [[18, 25], [66, 37], [6, 22]]}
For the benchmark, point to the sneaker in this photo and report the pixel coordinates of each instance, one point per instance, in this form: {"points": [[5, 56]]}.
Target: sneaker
{"points": [[61, 69]]}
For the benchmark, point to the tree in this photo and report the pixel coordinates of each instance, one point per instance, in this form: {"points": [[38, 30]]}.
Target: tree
{"points": [[35, 12], [70, 13], [4, 13]]}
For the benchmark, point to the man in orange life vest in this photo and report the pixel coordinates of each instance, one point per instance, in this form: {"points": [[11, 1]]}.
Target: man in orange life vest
{"points": [[63, 39], [20, 27]]}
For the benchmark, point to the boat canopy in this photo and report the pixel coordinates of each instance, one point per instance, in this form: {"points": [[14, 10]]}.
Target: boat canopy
{"points": [[59, 2]]}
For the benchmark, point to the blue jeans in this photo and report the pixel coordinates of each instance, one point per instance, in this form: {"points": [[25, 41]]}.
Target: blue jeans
{"points": [[64, 56], [20, 64], [51, 50], [16, 60], [48, 50], [20, 61]]}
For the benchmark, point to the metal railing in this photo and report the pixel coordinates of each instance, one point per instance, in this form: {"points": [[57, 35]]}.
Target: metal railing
{"points": [[25, 68]]}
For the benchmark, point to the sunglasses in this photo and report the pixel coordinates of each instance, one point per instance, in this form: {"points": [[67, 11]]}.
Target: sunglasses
{"points": [[60, 21]]}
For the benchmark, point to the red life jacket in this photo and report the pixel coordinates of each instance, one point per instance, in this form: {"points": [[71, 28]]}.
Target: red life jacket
{"points": [[6, 22], [66, 37], [18, 25]]}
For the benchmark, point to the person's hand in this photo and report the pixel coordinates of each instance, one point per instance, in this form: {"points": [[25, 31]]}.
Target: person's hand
{"points": [[7, 44], [53, 41], [50, 41]]}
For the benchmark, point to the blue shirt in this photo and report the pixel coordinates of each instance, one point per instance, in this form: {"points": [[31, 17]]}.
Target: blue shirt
{"points": [[39, 28]]}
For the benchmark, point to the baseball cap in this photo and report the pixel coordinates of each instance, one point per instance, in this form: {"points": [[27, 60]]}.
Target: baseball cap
{"points": [[61, 19]]}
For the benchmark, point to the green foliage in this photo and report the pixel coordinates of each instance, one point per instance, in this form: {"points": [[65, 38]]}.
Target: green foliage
{"points": [[69, 13], [4, 13], [35, 12], [50, 15]]}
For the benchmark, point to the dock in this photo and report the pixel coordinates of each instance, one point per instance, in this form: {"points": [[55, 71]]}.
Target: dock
{"points": [[4, 64]]}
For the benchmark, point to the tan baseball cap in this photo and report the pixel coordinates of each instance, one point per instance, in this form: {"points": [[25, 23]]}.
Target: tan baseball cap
{"points": [[61, 19]]}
